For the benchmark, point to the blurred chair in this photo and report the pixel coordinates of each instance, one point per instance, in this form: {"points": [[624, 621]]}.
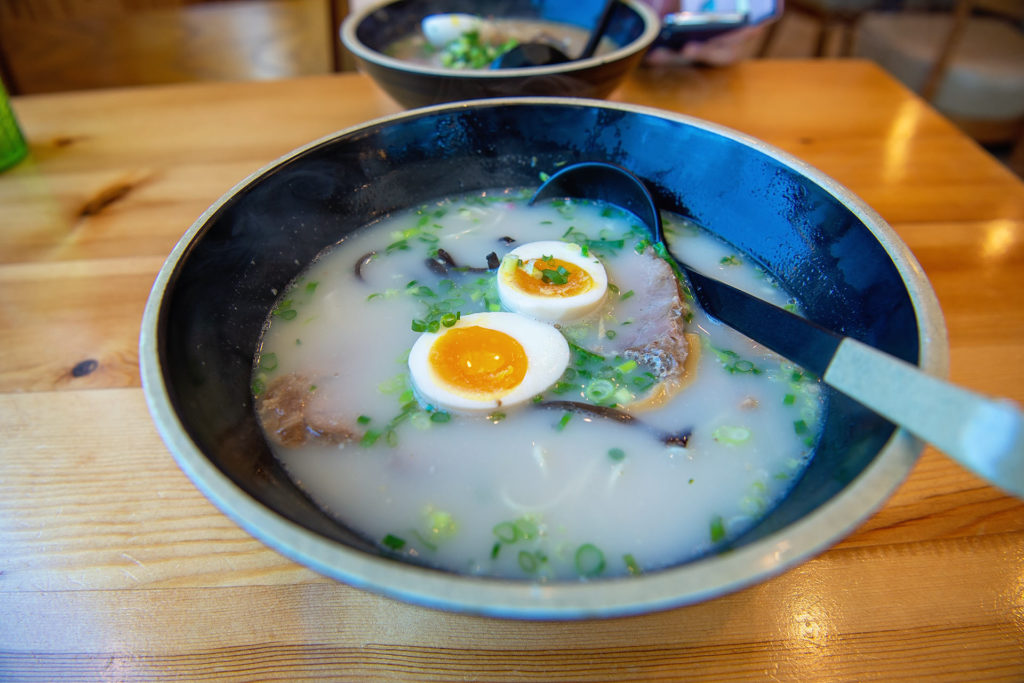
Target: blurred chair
{"points": [[969, 63], [830, 15], [53, 45]]}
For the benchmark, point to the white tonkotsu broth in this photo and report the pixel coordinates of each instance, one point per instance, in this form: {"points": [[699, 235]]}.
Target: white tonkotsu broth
{"points": [[535, 493]]}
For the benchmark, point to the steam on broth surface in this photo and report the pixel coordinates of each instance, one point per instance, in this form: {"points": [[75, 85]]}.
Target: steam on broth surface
{"points": [[651, 448]]}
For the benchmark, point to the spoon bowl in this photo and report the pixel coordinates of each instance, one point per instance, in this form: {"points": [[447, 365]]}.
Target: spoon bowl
{"points": [[542, 54], [984, 435]]}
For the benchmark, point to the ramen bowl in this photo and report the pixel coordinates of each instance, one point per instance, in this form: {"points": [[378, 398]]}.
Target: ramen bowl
{"points": [[203, 323], [369, 34]]}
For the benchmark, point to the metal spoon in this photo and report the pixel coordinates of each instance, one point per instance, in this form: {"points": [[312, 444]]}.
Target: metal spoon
{"points": [[544, 54], [982, 434]]}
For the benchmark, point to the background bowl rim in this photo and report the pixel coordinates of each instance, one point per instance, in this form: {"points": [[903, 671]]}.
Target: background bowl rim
{"points": [[652, 27], [699, 580]]}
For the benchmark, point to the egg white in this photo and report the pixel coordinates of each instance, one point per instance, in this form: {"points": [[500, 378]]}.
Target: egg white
{"points": [[547, 354], [441, 29], [552, 308]]}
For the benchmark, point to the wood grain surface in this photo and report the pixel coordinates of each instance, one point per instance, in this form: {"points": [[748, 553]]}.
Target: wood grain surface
{"points": [[114, 567]]}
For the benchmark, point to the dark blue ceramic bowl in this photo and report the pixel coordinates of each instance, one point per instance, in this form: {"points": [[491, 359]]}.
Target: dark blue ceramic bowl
{"points": [[367, 34], [204, 318]]}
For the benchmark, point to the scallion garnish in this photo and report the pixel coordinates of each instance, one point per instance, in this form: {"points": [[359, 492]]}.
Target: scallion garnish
{"points": [[558, 276], [731, 435], [717, 529], [527, 562], [393, 542], [589, 560], [616, 454], [506, 532]]}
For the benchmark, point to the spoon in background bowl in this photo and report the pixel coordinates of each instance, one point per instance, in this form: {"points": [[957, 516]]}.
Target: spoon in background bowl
{"points": [[982, 434]]}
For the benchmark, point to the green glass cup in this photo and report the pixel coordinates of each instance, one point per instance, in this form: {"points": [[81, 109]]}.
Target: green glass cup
{"points": [[12, 143]]}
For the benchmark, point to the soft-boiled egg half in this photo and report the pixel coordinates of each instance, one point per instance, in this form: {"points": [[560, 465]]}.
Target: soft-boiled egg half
{"points": [[551, 281], [487, 362]]}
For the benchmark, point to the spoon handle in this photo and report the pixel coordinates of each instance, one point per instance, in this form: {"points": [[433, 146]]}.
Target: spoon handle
{"points": [[984, 435], [603, 19]]}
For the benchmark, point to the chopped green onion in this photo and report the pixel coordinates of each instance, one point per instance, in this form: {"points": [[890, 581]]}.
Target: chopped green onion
{"points": [[558, 276], [744, 366], [268, 361], [563, 422], [363, 420], [645, 380], [506, 532], [587, 355], [393, 542], [589, 560], [628, 366], [800, 427], [599, 390], [369, 438], [527, 562], [732, 435], [631, 565], [526, 528], [717, 529], [626, 295], [495, 549], [562, 387], [440, 416], [789, 399], [419, 325], [616, 454]]}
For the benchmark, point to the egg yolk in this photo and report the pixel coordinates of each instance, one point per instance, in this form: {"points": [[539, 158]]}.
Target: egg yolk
{"points": [[551, 277], [478, 361]]}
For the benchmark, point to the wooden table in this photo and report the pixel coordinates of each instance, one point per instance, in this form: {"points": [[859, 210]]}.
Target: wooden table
{"points": [[113, 566]]}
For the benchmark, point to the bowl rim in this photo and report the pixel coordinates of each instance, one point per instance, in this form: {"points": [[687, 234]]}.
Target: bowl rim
{"points": [[696, 581], [652, 27]]}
